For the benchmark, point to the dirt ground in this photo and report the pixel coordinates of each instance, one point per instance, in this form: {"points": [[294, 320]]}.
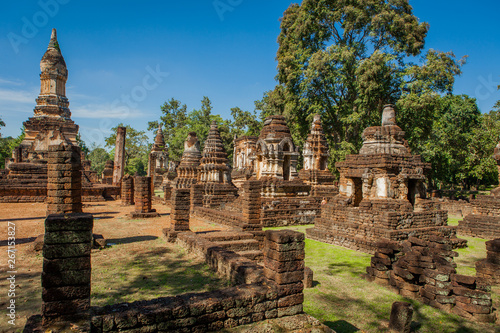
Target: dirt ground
{"points": [[138, 265]]}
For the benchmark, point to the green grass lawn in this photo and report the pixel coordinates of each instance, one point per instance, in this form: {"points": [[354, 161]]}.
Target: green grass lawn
{"points": [[343, 300]]}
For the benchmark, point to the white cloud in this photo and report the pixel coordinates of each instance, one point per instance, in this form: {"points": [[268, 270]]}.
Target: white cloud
{"points": [[11, 82], [17, 96], [106, 111]]}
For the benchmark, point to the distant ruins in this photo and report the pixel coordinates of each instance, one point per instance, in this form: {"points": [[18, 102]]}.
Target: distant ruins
{"points": [[158, 160], [381, 194], [25, 175], [484, 220], [316, 153], [214, 171], [187, 171]]}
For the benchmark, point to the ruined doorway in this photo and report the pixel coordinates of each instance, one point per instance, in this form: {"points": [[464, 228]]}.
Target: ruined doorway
{"points": [[412, 191], [357, 191]]}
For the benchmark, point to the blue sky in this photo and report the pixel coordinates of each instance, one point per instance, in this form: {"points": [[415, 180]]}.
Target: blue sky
{"points": [[125, 58]]}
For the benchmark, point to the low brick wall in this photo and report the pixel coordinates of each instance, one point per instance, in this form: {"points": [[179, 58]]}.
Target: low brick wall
{"points": [[488, 270], [210, 311], [424, 270], [281, 295], [23, 194], [226, 263], [482, 226], [360, 228], [283, 211], [228, 218], [96, 193]]}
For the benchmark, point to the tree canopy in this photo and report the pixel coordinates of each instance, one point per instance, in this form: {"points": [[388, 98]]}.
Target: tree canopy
{"points": [[346, 59]]}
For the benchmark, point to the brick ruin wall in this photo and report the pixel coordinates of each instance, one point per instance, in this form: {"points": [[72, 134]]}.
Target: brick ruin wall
{"points": [[360, 228], [281, 295], [272, 291], [425, 270], [484, 220], [459, 208], [488, 270], [39, 194], [283, 211]]}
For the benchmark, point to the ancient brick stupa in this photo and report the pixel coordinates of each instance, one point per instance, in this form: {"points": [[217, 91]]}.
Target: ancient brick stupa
{"points": [[214, 172], [381, 194], [187, 171], [315, 171], [243, 159], [50, 125], [158, 159], [484, 221], [276, 160]]}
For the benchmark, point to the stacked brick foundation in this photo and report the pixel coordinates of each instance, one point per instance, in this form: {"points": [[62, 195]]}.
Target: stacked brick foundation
{"points": [[488, 270], [142, 198], [284, 265], [471, 299], [484, 221], [360, 228], [66, 270], [64, 188], [127, 191], [251, 207], [425, 270]]}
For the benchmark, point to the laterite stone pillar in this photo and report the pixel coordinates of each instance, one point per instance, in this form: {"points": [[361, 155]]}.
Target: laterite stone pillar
{"points": [[127, 191], [179, 216], [66, 270], [284, 265], [64, 187]]}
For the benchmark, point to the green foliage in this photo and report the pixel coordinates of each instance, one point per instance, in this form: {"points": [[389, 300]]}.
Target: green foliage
{"points": [[5, 150], [345, 60], [7, 146], [136, 148], [82, 144], [177, 123], [98, 157]]}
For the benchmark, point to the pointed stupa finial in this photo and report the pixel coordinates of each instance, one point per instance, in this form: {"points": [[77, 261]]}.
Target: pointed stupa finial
{"points": [[53, 40]]}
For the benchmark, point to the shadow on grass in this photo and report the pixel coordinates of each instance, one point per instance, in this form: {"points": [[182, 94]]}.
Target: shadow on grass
{"points": [[133, 239], [159, 272], [353, 268], [379, 310], [341, 326]]}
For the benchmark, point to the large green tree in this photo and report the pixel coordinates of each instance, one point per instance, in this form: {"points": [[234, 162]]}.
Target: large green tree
{"points": [[136, 149], [345, 59], [98, 156]]}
